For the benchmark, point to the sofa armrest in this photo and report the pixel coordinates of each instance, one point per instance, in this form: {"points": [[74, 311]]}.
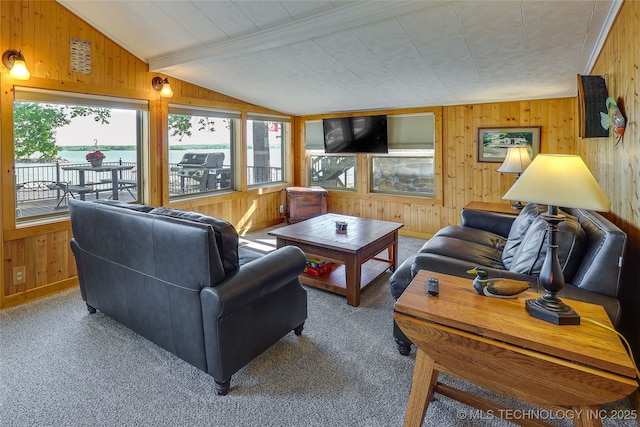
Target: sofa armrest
{"points": [[456, 267], [252, 281], [494, 222]]}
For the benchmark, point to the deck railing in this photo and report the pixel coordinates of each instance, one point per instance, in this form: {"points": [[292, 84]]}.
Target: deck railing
{"points": [[263, 174], [255, 175], [54, 172], [43, 189], [40, 188]]}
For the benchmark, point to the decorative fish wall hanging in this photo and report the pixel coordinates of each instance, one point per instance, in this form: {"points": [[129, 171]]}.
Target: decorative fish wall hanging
{"points": [[614, 119]]}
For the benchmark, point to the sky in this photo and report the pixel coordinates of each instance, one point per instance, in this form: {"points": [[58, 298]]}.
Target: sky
{"points": [[121, 131], [85, 131]]}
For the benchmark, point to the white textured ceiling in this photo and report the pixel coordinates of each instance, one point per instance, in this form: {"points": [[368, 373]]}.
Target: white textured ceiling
{"points": [[320, 56]]}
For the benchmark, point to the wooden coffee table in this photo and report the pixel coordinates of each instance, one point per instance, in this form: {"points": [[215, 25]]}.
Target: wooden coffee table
{"points": [[567, 370], [356, 251]]}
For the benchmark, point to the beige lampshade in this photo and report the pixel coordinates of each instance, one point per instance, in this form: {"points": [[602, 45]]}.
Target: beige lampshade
{"points": [[559, 180], [516, 161]]}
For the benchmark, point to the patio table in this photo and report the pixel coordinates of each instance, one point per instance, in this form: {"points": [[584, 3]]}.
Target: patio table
{"points": [[115, 176]]}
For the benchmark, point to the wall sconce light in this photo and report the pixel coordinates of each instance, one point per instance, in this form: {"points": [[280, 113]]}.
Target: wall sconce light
{"points": [[14, 61], [162, 86]]}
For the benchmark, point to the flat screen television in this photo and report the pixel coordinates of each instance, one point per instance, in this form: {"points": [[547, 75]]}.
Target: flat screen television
{"points": [[360, 134]]}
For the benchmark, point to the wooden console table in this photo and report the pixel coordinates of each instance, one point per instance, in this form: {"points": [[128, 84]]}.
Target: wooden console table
{"points": [[492, 207], [496, 344]]}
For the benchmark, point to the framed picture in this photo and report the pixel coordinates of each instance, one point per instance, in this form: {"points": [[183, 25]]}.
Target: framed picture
{"points": [[493, 142]]}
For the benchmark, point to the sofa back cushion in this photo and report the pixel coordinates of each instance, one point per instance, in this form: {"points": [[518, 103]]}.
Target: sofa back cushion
{"points": [[518, 230], [225, 234], [570, 238]]}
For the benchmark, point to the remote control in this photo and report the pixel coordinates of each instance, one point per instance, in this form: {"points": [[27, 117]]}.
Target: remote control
{"points": [[433, 287]]}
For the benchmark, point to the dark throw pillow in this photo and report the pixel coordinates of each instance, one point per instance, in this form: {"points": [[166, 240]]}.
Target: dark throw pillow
{"points": [[571, 240], [518, 230]]}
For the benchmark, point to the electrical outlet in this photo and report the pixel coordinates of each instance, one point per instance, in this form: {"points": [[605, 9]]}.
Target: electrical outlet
{"points": [[281, 209], [19, 275]]}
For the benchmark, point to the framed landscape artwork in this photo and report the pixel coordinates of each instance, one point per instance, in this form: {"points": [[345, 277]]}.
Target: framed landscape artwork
{"points": [[493, 142]]}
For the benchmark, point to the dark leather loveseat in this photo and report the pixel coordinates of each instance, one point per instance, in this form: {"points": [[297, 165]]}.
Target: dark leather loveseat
{"points": [[180, 280], [590, 251]]}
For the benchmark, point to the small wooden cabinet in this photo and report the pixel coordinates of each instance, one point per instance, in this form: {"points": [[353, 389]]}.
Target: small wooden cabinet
{"points": [[304, 203]]}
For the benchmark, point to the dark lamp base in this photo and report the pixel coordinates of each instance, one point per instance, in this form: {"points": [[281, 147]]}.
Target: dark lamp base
{"points": [[553, 312], [517, 205]]}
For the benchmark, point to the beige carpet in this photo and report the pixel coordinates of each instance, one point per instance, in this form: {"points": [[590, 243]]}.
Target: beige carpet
{"points": [[61, 366]]}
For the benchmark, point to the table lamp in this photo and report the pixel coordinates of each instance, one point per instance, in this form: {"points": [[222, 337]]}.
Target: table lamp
{"points": [[516, 161], [556, 180]]}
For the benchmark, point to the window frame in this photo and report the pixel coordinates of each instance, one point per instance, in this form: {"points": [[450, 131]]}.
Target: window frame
{"points": [[53, 96], [364, 160], [408, 147], [285, 143], [322, 154], [408, 156], [235, 117]]}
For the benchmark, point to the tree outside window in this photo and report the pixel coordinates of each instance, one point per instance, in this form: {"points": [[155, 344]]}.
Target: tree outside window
{"points": [[266, 141]]}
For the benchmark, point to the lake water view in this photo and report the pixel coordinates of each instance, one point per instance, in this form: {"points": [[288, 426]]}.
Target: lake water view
{"points": [[174, 156], [130, 156], [28, 171]]}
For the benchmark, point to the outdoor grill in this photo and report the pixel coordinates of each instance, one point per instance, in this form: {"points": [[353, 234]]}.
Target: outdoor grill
{"points": [[202, 167]]}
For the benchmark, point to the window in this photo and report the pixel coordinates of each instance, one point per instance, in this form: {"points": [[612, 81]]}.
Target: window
{"points": [[328, 170], [267, 137], [402, 174], [54, 132], [334, 171], [408, 168], [201, 150]]}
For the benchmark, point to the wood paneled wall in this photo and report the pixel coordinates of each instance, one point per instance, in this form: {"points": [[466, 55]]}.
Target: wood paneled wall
{"points": [[42, 31], [617, 167], [467, 179], [461, 177]]}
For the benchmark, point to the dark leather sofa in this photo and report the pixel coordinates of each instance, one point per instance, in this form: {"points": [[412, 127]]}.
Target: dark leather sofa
{"points": [[180, 280], [590, 250]]}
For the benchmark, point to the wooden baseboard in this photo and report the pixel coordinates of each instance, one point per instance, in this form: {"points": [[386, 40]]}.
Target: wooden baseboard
{"points": [[37, 293], [415, 234], [254, 227]]}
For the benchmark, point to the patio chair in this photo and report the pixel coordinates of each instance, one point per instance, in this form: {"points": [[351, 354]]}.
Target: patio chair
{"points": [[62, 186]]}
